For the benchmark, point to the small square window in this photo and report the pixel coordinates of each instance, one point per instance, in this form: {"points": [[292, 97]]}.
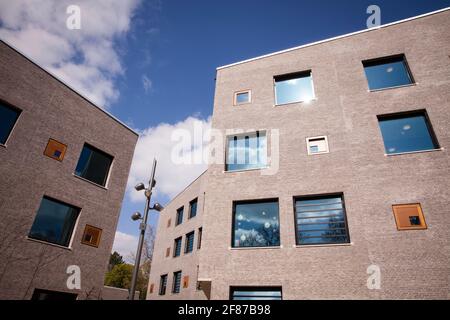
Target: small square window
{"points": [[242, 97], [389, 72], [55, 150], [94, 165], [317, 145], [409, 217], [91, 236]]}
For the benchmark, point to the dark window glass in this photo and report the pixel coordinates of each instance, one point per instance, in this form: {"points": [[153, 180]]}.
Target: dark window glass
{"points": [[40, 294], [179, 219], [292, 88], [176, 282], [8, 118], [163, 285], [189, 242], [246, 152], [199, 241], [256, 293], [177, 247], [407, 133], [256, 224], [387, 73], [94, 165], [193, 208], [321, 220], [54, 222]]}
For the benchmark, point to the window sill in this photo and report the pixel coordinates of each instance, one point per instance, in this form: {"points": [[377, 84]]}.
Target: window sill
{"points": [[296, 102], [49, 243], [324, 245], [255, 248], [318, 153], [396, 87], [246, 170], [90, 182], [241, 104], [412, 152]]}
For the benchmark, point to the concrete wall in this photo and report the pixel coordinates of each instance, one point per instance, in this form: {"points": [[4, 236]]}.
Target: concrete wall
{"points": [[52, 110]]}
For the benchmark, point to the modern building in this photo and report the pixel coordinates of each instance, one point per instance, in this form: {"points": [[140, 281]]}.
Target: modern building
{"points": [[336, 182], [64, 164]]}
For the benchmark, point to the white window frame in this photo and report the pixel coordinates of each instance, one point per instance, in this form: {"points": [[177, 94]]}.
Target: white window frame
{"points": [[235, 103], [308, 145]]}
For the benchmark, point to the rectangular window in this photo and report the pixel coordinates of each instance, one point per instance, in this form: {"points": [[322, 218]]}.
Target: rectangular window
{"points": [[255, 293], [321, 220], [193, 208], [163, 285], [94, 165], [242, 97], [409, 217], [407, 132], [387, 72], [256, 224], [55, 150], [179, 218], [8, 118], [248, 151], [189, 246], [40, 294], [317, 145], [176, 282], [295, 87], [199, 239], [54, 222], [177, 247]]}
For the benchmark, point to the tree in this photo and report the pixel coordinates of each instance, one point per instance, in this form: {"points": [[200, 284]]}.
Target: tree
{"points": [[114, 260], [119, 276]]}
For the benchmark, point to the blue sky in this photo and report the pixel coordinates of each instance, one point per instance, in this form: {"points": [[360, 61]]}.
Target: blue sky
{"points": [[152, 63]]}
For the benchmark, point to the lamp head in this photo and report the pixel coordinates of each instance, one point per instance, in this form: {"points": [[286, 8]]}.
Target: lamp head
{"points": [[136, 216], [158, 207], [140, 186]]}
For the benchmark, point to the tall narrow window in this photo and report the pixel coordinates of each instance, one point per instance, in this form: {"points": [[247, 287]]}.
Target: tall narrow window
{"points": [[163, 285], [54, 222], [256, 224], [179, 218], [199, 238], [255, 293], [176, 282], [193, 208], [246, 152], [321, 220], [407, 132], [94, 165], [8, 118], [296, 87], [387, 72], [177, 247], [189, 242]]}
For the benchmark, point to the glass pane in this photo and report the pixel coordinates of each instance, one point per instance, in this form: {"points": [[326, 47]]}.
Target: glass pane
{"points": [[328, 220], [294, 90], [242, 97], [321, 226], [322, 233], [256, 295], [387, 74], [256, 225], [54, 222], [193, 210], [319, 207], [8, 117], [309, 214], [406, 134], [246, 152], [323, 240], [319, 201], [93, 165]]}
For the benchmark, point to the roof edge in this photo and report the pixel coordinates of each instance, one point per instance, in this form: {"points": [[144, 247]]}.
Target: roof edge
{"points": [[68, 86], [332, 39]]}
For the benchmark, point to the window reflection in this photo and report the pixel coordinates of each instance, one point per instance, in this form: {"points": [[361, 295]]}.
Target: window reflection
{"points": [[387, 73], [257, 293], [246, 152], [94, 165], [8, 118], [294, 88]]}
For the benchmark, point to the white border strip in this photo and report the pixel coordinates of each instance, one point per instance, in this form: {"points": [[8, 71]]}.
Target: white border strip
{"points": [[70, 87], [332, 39]]}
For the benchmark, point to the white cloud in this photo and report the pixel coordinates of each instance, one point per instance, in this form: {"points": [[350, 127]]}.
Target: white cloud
{"points": [[126, 245], [146, 83], [85, 59], [157, 142]]}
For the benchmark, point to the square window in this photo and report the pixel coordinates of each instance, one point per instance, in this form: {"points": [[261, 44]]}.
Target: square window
{"points": [[94, 165], [176, 282], [55, 150], [407, 132], [317, 145], [54, 222], [387, 72], [189, 246], [8, 118], [91, 236], [179, 218], [242, 97], [193, 208], [296, 87], [256, 224], [255, 293], [321, 220], [247, 151], [409, 217]]}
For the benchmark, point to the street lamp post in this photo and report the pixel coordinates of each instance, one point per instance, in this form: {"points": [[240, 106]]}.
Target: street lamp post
{"points": [[143, 226]]}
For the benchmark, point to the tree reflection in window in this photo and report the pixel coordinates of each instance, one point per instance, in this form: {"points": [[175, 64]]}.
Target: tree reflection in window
{"points": [[256, 224]]}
